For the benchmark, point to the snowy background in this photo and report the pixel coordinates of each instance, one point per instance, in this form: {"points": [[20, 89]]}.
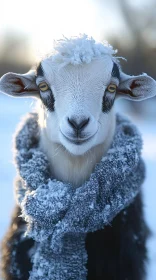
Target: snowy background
{"points": [[11, 111]]}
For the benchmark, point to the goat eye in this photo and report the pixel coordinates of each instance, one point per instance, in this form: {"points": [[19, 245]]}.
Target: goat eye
{"points": [[112, 88], [43, 86]]}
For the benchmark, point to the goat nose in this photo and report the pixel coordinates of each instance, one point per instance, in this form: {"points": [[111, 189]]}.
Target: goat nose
{"points": [[78, 126]]}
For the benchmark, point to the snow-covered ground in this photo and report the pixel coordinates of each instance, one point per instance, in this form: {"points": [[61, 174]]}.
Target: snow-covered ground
{"points": [[12, 109]]}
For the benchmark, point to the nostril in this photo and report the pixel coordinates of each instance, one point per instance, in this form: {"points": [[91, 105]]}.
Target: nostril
{"points": [[73, 123], [83, 123], [78, 126]]}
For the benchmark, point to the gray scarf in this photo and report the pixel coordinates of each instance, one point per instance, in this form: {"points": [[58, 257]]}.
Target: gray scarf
{"points": [[59, 216]]}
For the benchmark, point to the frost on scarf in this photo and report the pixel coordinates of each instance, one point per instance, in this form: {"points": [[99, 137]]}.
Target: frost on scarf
{"points": [[59, 216]]}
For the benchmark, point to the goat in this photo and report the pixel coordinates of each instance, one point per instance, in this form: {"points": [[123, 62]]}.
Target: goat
{"points": [[76, 87]]}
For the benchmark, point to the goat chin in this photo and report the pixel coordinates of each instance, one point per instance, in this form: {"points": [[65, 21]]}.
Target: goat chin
{"points": [[74, 169]]}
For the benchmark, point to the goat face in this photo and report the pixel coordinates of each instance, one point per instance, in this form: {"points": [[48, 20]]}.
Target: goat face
{"points": [[79, 102], [78, 96]]}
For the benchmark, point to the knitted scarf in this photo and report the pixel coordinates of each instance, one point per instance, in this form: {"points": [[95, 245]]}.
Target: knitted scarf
{"points": [[58, 215]]}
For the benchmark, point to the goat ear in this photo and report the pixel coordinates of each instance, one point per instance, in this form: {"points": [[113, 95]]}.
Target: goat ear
{"points": [[136, 87], [19, 85]]}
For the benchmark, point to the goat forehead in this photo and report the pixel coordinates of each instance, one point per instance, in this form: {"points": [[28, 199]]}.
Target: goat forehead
{"points": [[98, 73]]}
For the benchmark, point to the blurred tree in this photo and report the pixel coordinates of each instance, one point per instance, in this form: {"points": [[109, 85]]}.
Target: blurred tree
{"points": [[15, 54], [15, 47], [141, 23]]}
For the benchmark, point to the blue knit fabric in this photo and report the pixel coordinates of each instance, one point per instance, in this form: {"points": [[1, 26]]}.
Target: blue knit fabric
{"points": [[58, 215]]}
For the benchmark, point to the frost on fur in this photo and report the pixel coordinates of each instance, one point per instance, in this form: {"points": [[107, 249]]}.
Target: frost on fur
{"points": [[78, 50]]}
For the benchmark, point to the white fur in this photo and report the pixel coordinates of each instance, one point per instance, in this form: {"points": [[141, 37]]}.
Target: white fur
{"points": [[75, 169], [78, 91]]}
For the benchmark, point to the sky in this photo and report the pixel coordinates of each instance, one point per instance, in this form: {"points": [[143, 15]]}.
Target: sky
{"points": [[40, 22], [44, 21]]}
